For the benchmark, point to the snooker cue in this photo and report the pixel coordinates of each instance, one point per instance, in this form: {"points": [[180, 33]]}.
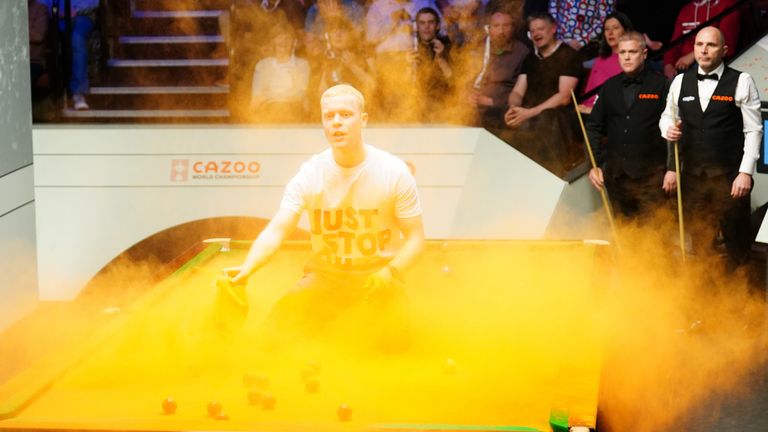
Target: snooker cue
{"points": [[603, 192], [680, 223]]}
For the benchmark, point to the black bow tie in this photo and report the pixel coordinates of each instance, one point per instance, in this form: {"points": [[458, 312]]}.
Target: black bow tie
{"points": [[706, 77], [628, 81]]}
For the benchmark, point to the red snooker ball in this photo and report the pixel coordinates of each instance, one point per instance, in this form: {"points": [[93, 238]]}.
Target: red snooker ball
{"points": [[214, 408], [344, 412], [169, 405], [254, 397], [268, 401]]}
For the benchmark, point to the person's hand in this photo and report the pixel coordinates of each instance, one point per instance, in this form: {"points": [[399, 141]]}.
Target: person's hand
{"points": [[669, 184], [673, 132], [742, 184], [438, 47], [378, 284], [516, 116], [596, 178], [236, 274], [478, 99], [684, 62], [330, 9], [585, 109], [575, 44], [669, 71]]}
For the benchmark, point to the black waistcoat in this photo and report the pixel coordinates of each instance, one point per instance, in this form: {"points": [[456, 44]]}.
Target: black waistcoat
{"points": [[713, 140], [634, 144]]}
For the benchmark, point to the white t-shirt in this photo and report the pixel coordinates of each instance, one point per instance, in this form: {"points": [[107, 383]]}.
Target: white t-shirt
{"points": [[353, 212]]}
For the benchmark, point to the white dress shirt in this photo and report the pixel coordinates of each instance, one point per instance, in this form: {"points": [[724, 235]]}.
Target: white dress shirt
{"points": [[746, 98]]}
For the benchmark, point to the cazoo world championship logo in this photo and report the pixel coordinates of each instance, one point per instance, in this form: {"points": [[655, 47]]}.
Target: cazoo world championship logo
{"points": [[183, 170]]}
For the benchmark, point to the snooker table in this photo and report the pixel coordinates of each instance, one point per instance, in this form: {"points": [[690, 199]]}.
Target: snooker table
{"points": [[505, 336]]}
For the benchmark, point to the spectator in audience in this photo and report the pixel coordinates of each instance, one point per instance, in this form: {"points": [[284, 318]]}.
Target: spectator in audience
{"points": [[539, 102], [431, 61], [280, 81], [325, 11], [579, 21], [391, 33], [502, 59], [344, 60], [681, 57], [607, 63], [83, 14], [38, 16], [244, 26]]}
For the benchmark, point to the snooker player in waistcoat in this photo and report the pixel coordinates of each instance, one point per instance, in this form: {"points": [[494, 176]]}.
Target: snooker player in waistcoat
{"points": [[714, 113], [633, 162]]}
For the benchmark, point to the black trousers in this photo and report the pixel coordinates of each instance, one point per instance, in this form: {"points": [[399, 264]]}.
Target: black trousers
{"points": [[709, 209], [635, 198]]}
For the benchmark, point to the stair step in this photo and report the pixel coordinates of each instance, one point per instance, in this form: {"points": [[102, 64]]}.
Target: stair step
{"points": [[160, 90], [177, 14], [157, 101], [170, 27], [98, 113], [163, 76], [171, 39], [178, 51], [124, 63]]}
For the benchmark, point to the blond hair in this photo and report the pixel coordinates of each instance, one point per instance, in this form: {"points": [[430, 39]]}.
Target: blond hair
{"points": [[345, 89], [633, 36]]}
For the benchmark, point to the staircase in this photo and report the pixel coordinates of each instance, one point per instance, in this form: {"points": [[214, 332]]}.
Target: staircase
{"points": [[162, 60]]}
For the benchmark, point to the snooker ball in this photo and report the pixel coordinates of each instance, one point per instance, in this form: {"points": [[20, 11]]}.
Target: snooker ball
{"points": [[268, 401], [312, 384], [344, 412], [214, 408], [169, 405], [254, 397]]}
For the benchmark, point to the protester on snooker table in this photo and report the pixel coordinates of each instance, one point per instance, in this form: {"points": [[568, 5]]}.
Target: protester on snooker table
{"points": [[714, 112], [365, 224], [633, 166]]}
